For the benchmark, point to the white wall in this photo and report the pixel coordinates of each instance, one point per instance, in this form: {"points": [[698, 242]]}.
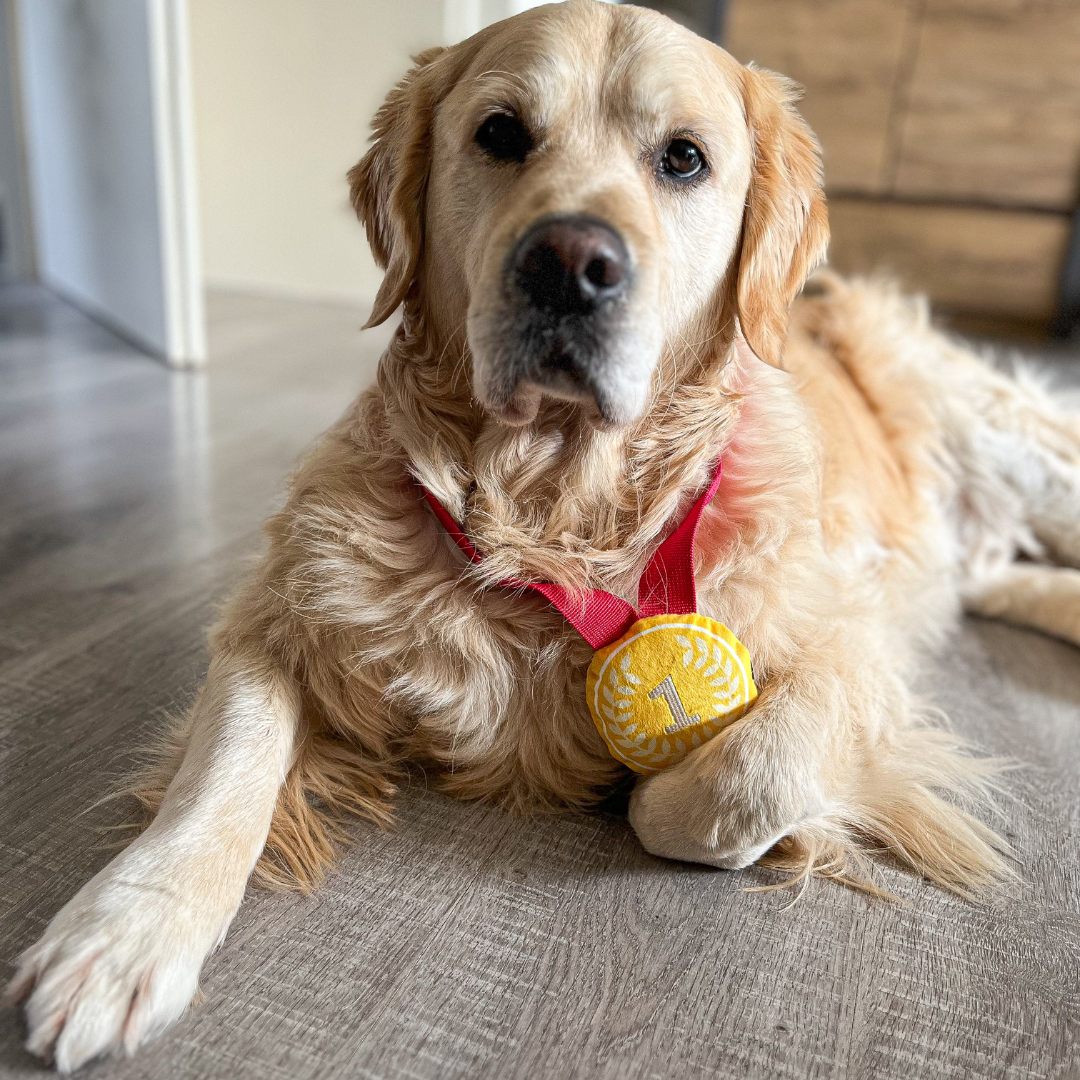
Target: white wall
{"points": [[103, 87], [284, 94], [86, 87], [16, 259], [462, 18]]}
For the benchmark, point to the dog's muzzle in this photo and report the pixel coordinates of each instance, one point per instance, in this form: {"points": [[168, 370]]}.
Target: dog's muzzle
{"points": [[566, 281]]}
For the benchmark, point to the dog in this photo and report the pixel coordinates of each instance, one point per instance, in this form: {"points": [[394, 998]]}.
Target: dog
{"points": [[595, 224]]}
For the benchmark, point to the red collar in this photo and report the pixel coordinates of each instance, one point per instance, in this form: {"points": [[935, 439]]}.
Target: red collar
{"points": [[666, 587]]}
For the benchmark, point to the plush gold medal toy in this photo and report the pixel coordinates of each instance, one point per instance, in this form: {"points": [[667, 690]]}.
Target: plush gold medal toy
{"points": [[664, 679]]}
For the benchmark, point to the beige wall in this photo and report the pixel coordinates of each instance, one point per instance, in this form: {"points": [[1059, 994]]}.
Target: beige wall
{"points": [[284, 93]]}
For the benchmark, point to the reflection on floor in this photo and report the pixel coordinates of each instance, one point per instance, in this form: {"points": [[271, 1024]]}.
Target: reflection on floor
{"points": [[465, 944]]}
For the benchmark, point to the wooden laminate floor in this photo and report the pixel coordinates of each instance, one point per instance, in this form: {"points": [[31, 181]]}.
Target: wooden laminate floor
{"points": [[466, 943]]}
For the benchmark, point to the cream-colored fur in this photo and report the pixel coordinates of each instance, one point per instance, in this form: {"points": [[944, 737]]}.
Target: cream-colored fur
{"points": [[872, 481]]}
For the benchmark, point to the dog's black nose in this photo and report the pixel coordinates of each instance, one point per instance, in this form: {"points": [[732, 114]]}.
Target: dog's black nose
{"points": [[571, 265]]}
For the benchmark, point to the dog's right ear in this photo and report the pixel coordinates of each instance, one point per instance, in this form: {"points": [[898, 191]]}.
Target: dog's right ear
{"points": [[389, 184]]}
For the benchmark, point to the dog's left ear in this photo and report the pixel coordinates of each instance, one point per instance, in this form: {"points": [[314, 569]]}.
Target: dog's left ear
{"points": [[785, 224], [389, 184]]}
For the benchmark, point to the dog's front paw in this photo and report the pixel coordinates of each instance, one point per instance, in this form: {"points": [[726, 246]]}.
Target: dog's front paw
{"points": [[658, 816], [115, 967], [727, 803]]}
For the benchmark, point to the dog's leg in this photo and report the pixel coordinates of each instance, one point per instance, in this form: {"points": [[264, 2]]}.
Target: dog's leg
{"points": [[1043, 463], [830, 760], [120, 962], [1019, 452], [1046, 598], [728, 802]]}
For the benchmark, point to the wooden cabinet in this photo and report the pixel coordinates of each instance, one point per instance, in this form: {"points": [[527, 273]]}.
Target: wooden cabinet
{"points": [[951, 133], [847, 54], [993, 110]]}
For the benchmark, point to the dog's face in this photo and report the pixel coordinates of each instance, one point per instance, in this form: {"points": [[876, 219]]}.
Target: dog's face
{"points": [[582, 186]]}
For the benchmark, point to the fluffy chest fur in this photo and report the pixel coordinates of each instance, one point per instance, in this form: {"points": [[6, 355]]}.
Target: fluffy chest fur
{"points": [[413, 653]]}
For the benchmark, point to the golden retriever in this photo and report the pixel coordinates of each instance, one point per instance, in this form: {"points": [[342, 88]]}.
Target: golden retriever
{"points": [[595, 223]]}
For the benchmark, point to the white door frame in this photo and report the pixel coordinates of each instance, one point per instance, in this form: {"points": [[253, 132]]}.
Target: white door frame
{"points": [[174, 129]]}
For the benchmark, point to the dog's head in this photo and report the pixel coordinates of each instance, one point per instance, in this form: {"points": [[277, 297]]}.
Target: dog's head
{"points": [[583, 186]]}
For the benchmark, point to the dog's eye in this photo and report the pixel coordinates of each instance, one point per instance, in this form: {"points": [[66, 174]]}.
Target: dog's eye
{"points": [[504, 137], [682, 159]]}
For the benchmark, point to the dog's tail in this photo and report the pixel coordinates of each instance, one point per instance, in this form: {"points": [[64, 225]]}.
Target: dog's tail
{"points": [[899, 812]]}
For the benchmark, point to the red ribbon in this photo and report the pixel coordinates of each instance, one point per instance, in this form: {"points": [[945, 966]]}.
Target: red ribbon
{"points": [[666, 587]]}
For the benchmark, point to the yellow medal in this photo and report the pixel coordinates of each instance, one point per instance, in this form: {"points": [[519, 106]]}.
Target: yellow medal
{"points": [[668, 685]]}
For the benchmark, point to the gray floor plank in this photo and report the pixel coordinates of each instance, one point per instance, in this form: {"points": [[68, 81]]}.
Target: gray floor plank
{"points": [[464, 943]]}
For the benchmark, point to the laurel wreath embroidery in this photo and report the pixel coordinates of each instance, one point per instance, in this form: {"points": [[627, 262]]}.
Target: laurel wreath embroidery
{"points": [[623, 685]]}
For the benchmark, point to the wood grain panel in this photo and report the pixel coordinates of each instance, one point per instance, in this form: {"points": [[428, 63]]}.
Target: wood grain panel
{"points": [[993, 261], [994, 104], [846, 54]]}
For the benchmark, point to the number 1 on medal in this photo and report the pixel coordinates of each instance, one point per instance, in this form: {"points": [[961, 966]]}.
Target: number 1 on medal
{"points": [[667, 691]]}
